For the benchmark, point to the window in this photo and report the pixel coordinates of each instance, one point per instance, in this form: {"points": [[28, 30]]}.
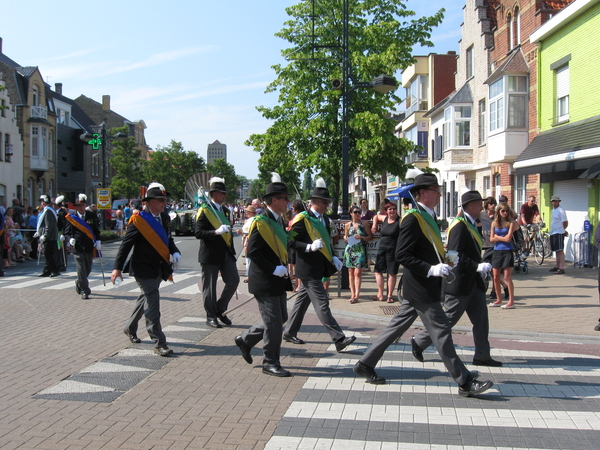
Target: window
{"points": [[50, 146], [416, 95], [34, 141], [497, 105], [446, 128], [509, 30], [517, 28], [482, 122], [562, 93], [487, 188], [517, 102], [469, 58], [521, 182], [36, 96], [64, 117], [498, 184], [462, 127], [30, 190], [44, 142], [8, 148], [3, 108]]}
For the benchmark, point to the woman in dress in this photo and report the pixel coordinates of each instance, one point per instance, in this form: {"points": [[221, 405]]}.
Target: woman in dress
{"points": [[355, 255], [501, 234], [386, 256]]}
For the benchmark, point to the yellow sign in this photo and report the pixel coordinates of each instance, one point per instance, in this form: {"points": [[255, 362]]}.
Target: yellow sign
{"points": [[103, 196]]}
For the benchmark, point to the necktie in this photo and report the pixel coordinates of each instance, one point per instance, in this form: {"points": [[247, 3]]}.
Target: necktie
{"points": [[280, 221]]}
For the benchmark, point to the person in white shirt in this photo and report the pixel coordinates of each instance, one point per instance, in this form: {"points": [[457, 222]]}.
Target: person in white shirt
{"points": [[558, 231]]}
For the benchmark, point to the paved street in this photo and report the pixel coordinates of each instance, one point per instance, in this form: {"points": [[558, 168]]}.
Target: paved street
{"points": [[71, 380]]}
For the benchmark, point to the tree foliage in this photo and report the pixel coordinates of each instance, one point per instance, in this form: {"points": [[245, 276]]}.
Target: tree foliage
{"points": [[306, 130], [172, 166], [126, 164], [289, 177], [221, 168]]}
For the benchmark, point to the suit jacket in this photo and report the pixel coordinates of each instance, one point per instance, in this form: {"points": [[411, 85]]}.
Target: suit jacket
{"points": [[145, 261], [310, 265], [82, 242], [469, 253], [417, 254], [261, 280], [48, 227], [213, 248]]}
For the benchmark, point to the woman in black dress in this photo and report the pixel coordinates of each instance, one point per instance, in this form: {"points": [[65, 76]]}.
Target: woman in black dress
{"points": [[386, 259]]}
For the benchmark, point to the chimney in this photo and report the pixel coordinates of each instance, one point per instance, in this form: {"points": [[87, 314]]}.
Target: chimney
{"points": [[58, 88], [0, 45], [106, 102]]}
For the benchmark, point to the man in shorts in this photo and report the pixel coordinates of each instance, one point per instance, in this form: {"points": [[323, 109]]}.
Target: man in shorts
{"points": [[558, 231]]}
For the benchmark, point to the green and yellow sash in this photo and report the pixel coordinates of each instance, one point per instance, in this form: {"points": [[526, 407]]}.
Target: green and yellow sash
{"points": [[316, 230], [472, 229], [273, 234], [216, 219], [429, 228]]}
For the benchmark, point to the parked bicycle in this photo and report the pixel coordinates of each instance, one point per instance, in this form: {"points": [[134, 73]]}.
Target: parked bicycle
{"points": [[539, 242]]}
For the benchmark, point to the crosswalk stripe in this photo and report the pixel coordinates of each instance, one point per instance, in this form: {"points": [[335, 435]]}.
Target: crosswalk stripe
{"points": [[33, 282]]}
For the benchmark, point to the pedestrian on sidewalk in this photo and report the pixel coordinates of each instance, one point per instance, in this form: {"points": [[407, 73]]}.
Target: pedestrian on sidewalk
{"points": [[216, 253], [268, 279], [420, 250], [315, 261], [47, 234], [466, 292], [558, 232], [82, 233], [386, 265], [356, 233], [501, 234], [486, 218], [149, 236]]}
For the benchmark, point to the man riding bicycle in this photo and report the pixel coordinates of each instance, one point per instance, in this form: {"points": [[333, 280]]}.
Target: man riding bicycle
{"points": [[529, 212]]}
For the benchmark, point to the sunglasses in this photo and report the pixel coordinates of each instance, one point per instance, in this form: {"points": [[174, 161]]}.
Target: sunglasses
{"points": [[355, 212], [287, 199], [504, 210]]}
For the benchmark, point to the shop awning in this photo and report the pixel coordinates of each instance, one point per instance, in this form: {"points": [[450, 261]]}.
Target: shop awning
{"points": [[400, 192]]}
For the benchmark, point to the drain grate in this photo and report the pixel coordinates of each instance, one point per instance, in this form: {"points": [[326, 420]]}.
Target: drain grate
{"points": [[390, 310]]}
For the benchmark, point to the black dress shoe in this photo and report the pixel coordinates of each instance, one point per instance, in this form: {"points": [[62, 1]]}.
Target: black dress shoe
{"points": [[293, 339], [55, 274], [213, 323], [244, 348], [77, 289], [363, 370], [223, 318], [487, 362], [276, 371], [473, 388], [416, 350], [44, 274], [132, 337], [85, 296], [163, 351], [344, 342]]}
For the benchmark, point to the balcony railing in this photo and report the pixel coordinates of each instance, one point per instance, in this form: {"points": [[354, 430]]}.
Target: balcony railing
{"points": [[39, 111]]}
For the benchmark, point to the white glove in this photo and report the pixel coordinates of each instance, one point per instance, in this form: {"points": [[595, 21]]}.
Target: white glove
{"points": [[484, 267], [176, 257], [337, 263], [72, 242], [280, 271], [62, 237], [316, 245], [35, 235], [42, 238], [98, 245], [439, 270], [222, 229]]}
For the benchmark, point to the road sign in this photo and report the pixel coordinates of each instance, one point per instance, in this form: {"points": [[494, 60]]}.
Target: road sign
{"points": [[103, 196]]}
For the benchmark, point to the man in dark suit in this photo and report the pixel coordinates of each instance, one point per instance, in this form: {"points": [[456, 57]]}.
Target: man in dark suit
{"points": [[47, 232], [216, 253], [466, 292], [420, 251], [150, 237], [314, 261], [268, 279], [83, 235]]}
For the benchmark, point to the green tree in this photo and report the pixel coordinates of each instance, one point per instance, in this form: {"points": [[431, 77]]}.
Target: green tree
{"points": [[306, 130], [172, 166], [221, 168], [307, 184], [127, 165]]}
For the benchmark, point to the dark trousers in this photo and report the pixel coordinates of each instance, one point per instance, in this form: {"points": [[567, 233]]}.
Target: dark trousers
{"points": [[437, 324], [273, 311], [209, 274], [50, 252], [148, 304], [475, 306], [312, 291], [83, 264]]}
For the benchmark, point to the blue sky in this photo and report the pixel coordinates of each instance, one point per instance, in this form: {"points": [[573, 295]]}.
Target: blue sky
{"points": [[193, 70]]}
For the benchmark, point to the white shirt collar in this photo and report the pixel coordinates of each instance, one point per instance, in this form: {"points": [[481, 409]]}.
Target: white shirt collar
{"points": [[274, 214], [428, 209], [467, 215]]}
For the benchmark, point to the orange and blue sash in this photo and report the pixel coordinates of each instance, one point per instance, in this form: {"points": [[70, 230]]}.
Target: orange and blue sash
{"points": [[153, 232], [83, 227]]}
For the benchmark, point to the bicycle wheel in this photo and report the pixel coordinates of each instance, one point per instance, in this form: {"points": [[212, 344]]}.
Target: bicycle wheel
{"points": [[546, 242], [538, 250]]}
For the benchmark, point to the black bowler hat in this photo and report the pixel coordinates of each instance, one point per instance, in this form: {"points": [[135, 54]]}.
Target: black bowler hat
{"points": [[155, 190], [470, 196], [217, 184], [423, 181], [275, 187], [320, 191]]}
